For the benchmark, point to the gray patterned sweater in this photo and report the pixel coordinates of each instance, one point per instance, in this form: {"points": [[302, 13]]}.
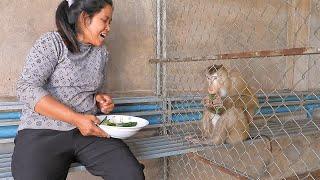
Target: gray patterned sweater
{"points": [[73, 79]]}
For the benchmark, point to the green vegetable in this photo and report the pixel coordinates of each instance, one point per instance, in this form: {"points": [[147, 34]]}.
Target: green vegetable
{"points": [[218, 110], [108, 123], [127, 124], [212, 97]]}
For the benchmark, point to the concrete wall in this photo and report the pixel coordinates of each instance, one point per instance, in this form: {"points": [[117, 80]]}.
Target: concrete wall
{"points": [[131, 42], [22, 22]]}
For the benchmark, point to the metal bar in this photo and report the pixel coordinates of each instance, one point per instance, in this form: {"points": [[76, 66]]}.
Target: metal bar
{"points": [[243, 55], [6, 141], [147, 110], [158, 49], [161, 10], [142, 113], [18, 105], [6, 176], [149, 99], [169, 153], [4, 160], [171, 150], [129, 100], [153, 139], [7, 155], [9, 123], [170, 146], [136, 107], [282, 93]]}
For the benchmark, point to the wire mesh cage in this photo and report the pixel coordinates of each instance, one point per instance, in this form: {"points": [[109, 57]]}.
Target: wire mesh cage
{"points": [[256, 117]]}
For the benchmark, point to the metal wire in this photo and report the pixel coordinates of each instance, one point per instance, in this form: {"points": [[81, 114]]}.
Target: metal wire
{"points": [[274, 46]]}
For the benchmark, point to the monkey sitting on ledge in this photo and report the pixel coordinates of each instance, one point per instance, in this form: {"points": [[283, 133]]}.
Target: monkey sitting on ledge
{"points": [[229, 107]]}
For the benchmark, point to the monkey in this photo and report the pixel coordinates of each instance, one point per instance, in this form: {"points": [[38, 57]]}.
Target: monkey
{"points": [[229, 106]]}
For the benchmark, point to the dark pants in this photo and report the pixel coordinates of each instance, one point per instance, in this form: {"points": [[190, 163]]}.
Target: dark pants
{"points": [[47, 155]]}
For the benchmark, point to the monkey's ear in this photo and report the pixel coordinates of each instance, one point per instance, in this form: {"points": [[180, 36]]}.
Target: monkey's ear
{"points": [[218, 66], [213, 69]]}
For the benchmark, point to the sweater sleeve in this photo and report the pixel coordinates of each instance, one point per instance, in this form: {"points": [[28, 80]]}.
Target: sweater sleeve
{"points": [[40, 64]]}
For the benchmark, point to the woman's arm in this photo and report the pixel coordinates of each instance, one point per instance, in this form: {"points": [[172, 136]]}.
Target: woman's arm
{"points": [[50, 107]]}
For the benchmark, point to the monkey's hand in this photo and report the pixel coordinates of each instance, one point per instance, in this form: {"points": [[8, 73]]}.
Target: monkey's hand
{"points": [[212, 103]]}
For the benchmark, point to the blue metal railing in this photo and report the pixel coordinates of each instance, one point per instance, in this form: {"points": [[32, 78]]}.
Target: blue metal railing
{"points": [[184, 116]]}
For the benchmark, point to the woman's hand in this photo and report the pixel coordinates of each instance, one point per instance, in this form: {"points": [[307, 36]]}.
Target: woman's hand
{"points": [[87, 125], [104, 103]]}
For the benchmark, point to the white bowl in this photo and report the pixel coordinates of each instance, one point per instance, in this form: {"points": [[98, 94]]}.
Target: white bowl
{"points": [[122, 132]]}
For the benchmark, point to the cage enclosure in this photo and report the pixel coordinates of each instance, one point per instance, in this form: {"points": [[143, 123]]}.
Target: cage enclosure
{"points": [[270, 47]]}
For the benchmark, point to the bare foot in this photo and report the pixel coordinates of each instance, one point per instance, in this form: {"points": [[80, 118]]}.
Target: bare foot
{"points": [[198, 140]]}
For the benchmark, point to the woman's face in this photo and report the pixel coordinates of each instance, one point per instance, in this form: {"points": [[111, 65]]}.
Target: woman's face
{"points": [[95, 30]]}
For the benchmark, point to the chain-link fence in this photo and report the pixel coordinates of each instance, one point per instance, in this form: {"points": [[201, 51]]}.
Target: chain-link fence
{"points": [[257, 116]]}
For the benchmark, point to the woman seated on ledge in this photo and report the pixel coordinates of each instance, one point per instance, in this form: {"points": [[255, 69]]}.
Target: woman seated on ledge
{"points": [[60, 86]]}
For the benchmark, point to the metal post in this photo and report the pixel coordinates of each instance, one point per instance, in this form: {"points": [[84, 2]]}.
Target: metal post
{"points": [[164, 79], [161, 90], [158, 49]]}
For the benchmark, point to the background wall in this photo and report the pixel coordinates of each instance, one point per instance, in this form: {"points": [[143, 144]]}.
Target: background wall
{"points": [[227, 26], [131, 42]]}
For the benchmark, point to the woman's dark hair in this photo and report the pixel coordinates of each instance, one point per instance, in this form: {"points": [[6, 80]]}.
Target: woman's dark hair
{"points": [[67, 18]]}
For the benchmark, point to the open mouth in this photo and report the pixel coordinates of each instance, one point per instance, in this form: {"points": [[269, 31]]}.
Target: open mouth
{"points": [[103, 35]]}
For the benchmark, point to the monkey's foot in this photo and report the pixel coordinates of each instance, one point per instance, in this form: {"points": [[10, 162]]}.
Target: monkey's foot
{"points": [[198, 140], [193, 139]]}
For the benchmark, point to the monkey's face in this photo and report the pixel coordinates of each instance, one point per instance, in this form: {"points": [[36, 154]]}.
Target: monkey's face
{"points": [[214, 84], [216, 76]]}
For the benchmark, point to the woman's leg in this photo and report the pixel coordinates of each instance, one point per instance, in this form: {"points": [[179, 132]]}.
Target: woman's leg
{"points": [[108, 158], [42, 155]]}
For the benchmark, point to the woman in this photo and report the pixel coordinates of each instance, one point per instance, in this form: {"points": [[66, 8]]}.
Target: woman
{"points": [[60, 86]]}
